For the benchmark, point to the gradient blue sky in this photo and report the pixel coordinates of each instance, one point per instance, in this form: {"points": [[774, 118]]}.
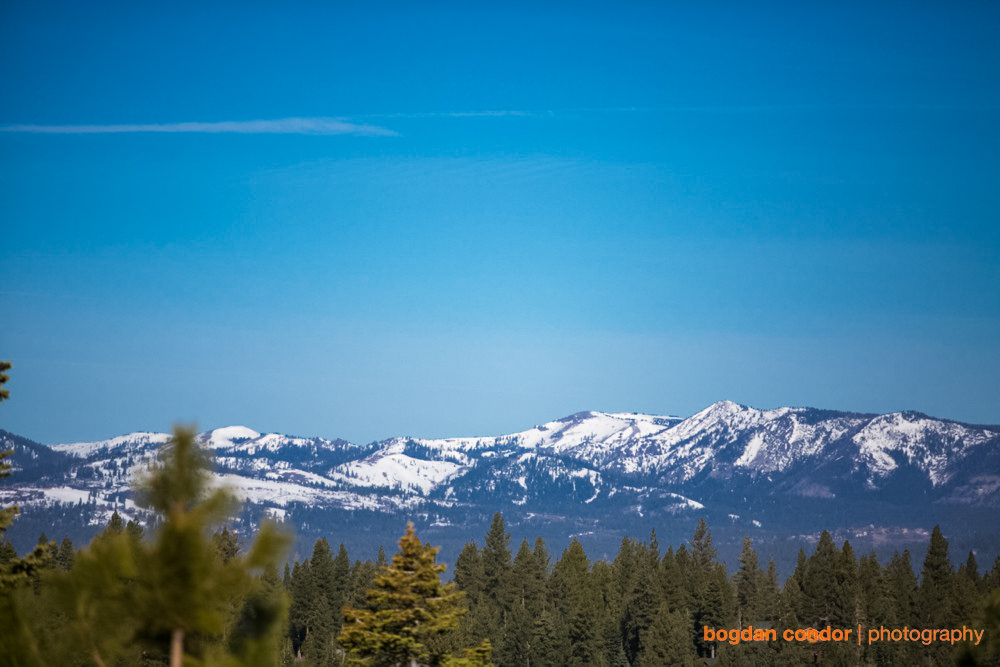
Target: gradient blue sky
{"points": [[461, 220]]}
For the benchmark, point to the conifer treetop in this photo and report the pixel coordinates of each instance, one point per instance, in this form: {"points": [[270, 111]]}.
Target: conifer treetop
{"points": [[407, 608]]}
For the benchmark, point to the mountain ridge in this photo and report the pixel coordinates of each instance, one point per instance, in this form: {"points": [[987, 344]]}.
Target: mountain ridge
{"points": [[782, 468]]}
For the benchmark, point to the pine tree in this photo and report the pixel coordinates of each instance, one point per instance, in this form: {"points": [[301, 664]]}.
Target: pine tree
{"points": [[904, 593], [496, 563], [668, 641], [749, 581], [134, 530], [319, 643], [483, 619], [4, 367], [543, 559], [7, 553], [602, 576], [381, 562], [577, 606], [469, 572], [362, 577], [876, 610], [128, 601], [792, 592], [341, 587], [64, 556], [971, 569], [672, 582], [639, 592], [847, 601], [936, 584], [7, 514], [702, 550], [226, 545], [520, 642], [967, 593], [408, 611], [302, 593], [116, 525], [183, 588], [712, 604], [547, 647], [770, 595], [819, 584]]}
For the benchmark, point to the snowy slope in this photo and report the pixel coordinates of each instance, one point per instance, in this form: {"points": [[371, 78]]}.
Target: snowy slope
{"points": [[586, 460]]}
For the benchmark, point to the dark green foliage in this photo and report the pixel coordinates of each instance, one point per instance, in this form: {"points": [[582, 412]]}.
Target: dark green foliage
{"points": [[64, 556], [134, 530], [319, 624], [469, 572], [362, 576], [819, 584], [936, 596], [712, 603], [381, 561], [7, 553], [4, 393], [672, 582], [116, 525], [226, 545], [936, 584], [99, 605], [341, 587], [749, 580], [318, 598], [847, 593], [487, 595], [578, 607], [639, 593], [496, 563], [668, 640], [521, 643], [301, 589], [902, 584]]}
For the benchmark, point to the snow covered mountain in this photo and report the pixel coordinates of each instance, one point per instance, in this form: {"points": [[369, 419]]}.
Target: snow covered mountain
{"points": [[729, 460]]}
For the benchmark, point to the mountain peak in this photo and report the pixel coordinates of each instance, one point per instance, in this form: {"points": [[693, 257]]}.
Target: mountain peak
{"points": [[227, 436]]}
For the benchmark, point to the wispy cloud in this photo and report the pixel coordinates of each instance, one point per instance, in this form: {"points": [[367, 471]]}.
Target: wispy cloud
{"points": [[281, 126], [731, 108], [332, 126], [457, 114]]}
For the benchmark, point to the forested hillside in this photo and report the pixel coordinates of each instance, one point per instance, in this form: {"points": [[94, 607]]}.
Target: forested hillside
{"points": [[650, 605]]}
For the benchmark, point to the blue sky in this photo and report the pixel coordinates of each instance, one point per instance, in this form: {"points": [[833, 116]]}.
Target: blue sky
{"points": [[454, 220]]}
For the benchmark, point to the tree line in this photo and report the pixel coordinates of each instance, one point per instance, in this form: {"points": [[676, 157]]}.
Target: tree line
{"points": [[644, 607]]}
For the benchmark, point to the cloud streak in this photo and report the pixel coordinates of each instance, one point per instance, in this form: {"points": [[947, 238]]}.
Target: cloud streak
{"points": [[338, 126], [327, 126], [731, 108]]}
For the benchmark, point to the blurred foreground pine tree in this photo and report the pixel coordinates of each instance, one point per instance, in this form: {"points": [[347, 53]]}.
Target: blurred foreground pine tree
{"points": [[171, 600]]}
